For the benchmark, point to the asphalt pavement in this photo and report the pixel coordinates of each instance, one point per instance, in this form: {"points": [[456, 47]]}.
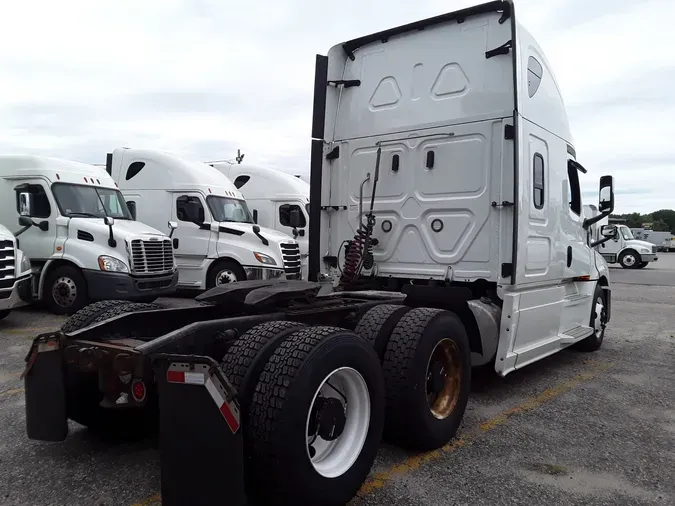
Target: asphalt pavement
{"points": [[573, 429]]}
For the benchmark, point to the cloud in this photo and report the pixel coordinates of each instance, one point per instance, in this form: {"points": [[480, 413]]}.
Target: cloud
{"points": [[203, 78]]}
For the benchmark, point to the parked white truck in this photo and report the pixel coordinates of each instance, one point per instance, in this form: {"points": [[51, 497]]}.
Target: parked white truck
{"points": [[217, 241], [79, 235], [15, 274], [445, 147], [277, 200], [623, 248]]}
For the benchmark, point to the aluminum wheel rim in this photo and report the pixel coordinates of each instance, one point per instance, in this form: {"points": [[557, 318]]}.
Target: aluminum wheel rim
{"points": [[629, 260], [225, 276], [445, 353], [334, 458], [599, 315], [64, 291]]}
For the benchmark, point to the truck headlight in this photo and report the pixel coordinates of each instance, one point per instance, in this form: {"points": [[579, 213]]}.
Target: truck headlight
{"points": [[645, 250], [264, 259], [25, 264], [111, 264]]}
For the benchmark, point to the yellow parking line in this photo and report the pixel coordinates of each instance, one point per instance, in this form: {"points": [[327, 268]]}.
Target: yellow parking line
{"points": [[149, 501], [414, 462]]}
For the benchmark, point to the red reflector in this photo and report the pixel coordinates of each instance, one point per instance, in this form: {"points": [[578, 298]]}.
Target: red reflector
{"points": [[229, 417], [138, 391], [175, 376]]}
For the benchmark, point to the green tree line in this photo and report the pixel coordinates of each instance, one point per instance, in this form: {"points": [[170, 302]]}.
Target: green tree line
{"points": [[659, 221]]}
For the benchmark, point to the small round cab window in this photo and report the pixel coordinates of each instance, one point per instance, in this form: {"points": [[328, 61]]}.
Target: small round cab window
{"points": [[534, 75]]}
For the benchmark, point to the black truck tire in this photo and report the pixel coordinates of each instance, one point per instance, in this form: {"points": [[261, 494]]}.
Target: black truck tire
{"points": [[71, 290], [85, 316], [246, 357], [378, 323], [286, 403], [83, 395], [425, 343], [594, 341]]}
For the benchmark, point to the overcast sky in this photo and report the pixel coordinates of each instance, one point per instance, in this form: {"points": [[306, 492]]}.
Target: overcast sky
{"points": [[202, 78]]}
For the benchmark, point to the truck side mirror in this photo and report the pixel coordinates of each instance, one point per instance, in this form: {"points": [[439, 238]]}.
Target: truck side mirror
{"points": [[172, 226], [25, 204], [609, 231], [294, 217], [606, 194], [25, 221]]}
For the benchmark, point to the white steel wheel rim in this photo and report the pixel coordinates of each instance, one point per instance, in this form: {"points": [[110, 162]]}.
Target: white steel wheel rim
{"points": [[64, 291], [334, 458], [225, 276], [599, 309], [629, 260]]}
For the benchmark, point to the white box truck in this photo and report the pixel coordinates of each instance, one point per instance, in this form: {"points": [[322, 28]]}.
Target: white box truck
{"points": [[446, 140], [275, 198], [79, 235], [623, 248], [217, 241], [15, 274]]}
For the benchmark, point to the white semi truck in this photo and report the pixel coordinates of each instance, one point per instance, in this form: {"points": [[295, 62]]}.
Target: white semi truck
{"points": [[623, 248], [277, 200], [79, 235], [15, 274], [217, 241], [450, 180]]}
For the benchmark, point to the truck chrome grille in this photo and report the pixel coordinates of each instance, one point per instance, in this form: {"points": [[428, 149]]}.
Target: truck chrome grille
{"points": [[291, 256], [653, 249], [151, 257], [7, 264]]}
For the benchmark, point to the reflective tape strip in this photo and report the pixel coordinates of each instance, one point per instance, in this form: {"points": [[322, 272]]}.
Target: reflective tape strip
{"points": [[48, 346], [189, 378], [224, 408], [175, 376]]}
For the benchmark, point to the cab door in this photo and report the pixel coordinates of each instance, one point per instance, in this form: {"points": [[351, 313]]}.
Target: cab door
{"points": [[191, 240], [38, 244], [577, 253]]}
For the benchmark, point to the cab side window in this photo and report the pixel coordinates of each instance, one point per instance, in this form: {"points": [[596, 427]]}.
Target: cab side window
{"points": [[285, 215], [181, 207], [40, 201], [574, 189], [538, 181]]}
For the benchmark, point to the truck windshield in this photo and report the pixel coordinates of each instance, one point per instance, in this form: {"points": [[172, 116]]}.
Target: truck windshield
{"points": [[626, 233], [228, 209], [89, 201]]}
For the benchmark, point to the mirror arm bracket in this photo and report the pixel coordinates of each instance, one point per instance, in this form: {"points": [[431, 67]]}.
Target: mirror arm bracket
{"points": [[601, 241], [590, 221]]}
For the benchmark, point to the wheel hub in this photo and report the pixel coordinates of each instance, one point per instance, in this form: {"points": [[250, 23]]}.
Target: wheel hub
{"points": [[64, 292], [436, 378], [226, 276], [328, 418], [443, 377]]}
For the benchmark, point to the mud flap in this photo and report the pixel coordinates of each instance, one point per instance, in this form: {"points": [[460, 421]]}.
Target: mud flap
{"points": [[45, 390], [201, 445]]}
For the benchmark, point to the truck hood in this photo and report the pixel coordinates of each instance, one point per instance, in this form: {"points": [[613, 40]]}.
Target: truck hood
{"points": [[122, 229], [273, 236], [637, 243], [5, 234]]}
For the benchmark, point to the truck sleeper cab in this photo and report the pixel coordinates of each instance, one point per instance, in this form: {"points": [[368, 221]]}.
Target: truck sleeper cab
{"points": [[277, 200], [79, 235], [217, 241], [446, 231]]}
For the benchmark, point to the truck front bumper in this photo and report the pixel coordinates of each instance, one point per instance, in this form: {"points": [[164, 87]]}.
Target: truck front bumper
{"points": [[17, 296], [649, 257], [118, 285]]}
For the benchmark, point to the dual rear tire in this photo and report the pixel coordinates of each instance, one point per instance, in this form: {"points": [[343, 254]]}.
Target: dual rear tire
{"points": [[316, 401]]}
